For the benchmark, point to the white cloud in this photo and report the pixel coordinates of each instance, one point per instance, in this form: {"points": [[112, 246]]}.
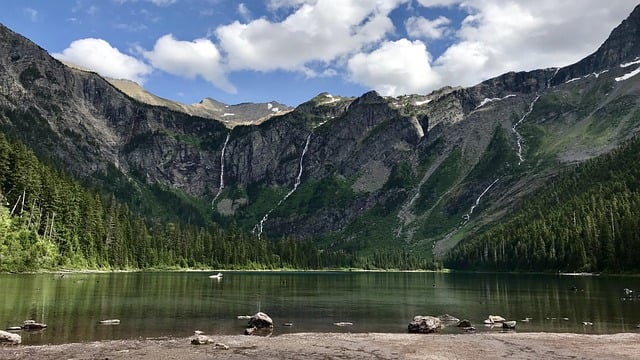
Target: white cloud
{"points": [[99, 56], [285, 4], [244, 12], [189, 59], [436, 3], [161, 3], [508, 35], [395, 68], [315, 32], [419, 27], [32, 13]]}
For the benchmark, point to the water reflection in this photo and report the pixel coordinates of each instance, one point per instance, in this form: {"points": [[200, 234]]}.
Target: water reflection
{"points": [[176, 304]]}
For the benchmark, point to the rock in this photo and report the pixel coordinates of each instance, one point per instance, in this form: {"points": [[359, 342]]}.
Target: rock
{"points": [[464, 323], [287, 324], [448, 318], [587, 323], [9, 338], [201, 340], [32, 325], [260, 320], [221, 346], [110, 322], [495, 319], [259, 332], [510, 325], [243, 317], [424, 324], [14, 328], [469, 329]]}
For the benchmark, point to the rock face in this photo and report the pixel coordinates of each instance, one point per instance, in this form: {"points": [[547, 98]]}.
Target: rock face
{"points": [[9, 338], [424, 324], [622, 46], [412, 167]]}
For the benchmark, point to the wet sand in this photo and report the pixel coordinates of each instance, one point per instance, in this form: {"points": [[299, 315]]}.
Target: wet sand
{"points": [[509, 345]]}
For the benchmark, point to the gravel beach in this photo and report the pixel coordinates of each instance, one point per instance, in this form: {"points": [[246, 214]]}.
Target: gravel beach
{"points": [[511, 345]]}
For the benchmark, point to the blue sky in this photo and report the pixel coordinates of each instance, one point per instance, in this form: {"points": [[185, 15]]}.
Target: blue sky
{"points": [[292, 50]]}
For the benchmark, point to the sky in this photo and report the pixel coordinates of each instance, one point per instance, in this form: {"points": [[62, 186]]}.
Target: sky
{"points": [[291, 50]]}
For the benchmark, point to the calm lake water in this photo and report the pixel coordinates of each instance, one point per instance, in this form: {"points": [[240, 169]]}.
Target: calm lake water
{"points": [[156, 304]]}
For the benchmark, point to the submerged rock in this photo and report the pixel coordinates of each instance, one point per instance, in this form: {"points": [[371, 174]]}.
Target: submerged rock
{"points": [[33, 325], [510, 325]]}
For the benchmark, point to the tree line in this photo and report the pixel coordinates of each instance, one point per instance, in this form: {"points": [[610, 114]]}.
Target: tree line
{"points": [[50, 221], [586, 220]]}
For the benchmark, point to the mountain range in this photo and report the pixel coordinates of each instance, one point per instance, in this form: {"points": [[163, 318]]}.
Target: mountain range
{"points": [[420, 173]]}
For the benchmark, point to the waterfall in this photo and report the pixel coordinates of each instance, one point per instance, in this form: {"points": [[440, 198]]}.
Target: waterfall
{"points": [[221, 187], [299, 177], [468, 215], [518, 135], [258, 228], [552, 77]]}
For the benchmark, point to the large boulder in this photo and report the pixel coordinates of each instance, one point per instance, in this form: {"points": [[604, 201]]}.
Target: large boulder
{"points": [[9, 338], [424, 324], [259, 321]]}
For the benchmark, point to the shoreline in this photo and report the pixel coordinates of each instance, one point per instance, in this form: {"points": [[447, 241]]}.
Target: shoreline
{"points": [[312, 346]]}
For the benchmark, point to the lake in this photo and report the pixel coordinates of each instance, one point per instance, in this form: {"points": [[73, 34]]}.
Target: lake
{"points": [[158, 304]]}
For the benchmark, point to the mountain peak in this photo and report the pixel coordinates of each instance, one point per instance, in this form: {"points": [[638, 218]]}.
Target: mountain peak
{"points": [[622, 45]]}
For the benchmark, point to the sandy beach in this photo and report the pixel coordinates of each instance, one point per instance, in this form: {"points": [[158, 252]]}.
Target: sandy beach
{"points": [[511, 345]]}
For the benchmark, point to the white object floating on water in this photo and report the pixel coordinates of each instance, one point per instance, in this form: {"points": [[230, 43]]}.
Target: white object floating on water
{"points": [[342, 323], [216, 276], [110, 322]]}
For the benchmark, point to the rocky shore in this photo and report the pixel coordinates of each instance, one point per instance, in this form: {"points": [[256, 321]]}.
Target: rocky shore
{"points": [[477, 346]]}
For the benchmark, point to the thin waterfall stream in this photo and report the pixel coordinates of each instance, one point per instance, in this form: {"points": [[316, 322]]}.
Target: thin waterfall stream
{"points": [[221, 187], [259, 227], [515, 129]]}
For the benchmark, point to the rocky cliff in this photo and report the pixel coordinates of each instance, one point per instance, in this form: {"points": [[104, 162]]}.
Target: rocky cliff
{"points": [[420, 172]]}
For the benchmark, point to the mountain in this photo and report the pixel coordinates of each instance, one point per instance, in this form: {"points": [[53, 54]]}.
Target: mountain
{"points": [[419, 173], [230, 115]]}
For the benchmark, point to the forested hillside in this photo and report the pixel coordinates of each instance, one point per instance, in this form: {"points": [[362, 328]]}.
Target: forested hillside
{"points": [[588, 219], [48, 221]]}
